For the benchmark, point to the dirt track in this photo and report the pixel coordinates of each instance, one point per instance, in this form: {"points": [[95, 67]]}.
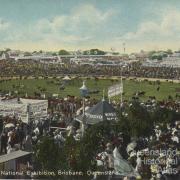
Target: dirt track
{"points": [[100, 77]]}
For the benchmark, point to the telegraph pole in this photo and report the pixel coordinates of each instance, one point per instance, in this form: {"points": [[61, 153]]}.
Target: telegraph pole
{"points": [[124, 47]]}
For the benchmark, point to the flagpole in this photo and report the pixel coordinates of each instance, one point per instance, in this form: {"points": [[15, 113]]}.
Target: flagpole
{"points": [[121, 88]]}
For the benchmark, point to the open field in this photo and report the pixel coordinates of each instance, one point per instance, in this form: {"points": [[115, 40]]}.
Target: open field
{"points": [[52, 86]]}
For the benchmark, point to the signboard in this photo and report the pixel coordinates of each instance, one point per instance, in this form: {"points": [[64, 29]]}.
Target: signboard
{"points": [[17, 110], [115, 90], [38, 109], [28, 109]]}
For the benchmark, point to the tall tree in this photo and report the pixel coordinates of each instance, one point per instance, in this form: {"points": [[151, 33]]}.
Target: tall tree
{"points": [[138, 121], [63, 52], [94, 52], [49, 156]]}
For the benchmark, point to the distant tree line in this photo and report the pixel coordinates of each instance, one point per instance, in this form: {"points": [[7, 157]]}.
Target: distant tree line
{"points": [[87, 52], [159, 55]]}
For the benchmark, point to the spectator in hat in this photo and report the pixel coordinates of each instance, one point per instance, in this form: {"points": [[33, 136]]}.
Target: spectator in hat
{"points": [[4, 140]]}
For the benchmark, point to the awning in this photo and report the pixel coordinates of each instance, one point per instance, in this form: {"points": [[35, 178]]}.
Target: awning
{"points": [[13, 155]]}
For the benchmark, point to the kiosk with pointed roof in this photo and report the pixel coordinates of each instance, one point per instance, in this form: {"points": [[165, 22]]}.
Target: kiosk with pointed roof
{"points": [[102, 111]]}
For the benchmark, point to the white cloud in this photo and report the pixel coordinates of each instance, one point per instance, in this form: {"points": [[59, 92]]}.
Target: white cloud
{"points": [[47, 26], [144, 29], [90, 15], [167, 27], [76, 28], [72, 38], [4, 24], [80, 24], [171, 23]]}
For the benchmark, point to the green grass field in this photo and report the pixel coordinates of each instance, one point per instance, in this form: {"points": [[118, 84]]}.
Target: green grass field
{"points": [[51, 86]]}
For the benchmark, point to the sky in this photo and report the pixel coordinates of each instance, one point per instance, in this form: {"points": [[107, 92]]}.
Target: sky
{"points": [[51, 25]]}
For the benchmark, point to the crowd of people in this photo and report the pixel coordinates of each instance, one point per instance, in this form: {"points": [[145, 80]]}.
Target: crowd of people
{"points": [[159, 156], [14, 135], [18, 135], [135, 69], [138, 153]]}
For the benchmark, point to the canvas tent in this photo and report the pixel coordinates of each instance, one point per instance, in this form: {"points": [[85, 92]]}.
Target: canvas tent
{"points": [[66, 78], [102, 111]]}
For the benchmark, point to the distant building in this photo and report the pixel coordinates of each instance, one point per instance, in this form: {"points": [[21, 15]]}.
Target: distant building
{"points": [[176, 54], [14, 53], [4, 56]]}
